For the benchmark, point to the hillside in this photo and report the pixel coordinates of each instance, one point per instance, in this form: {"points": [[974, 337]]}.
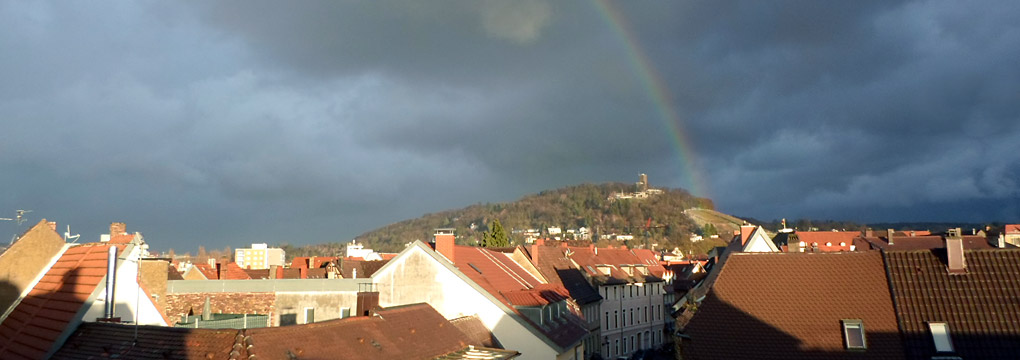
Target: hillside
{"points": [[587, 205]]}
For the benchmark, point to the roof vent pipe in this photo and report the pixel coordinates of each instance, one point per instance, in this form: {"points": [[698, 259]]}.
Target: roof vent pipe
{"points": [[111, 279]]}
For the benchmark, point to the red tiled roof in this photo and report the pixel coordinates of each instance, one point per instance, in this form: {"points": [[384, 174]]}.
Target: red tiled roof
{"points": [[500, 275], [493, 271], [810, 238], [588, 260], [553, 263], [31, 329], [1012, 229], [302, 261], [981, 307], [233, 271], [790, 306]]}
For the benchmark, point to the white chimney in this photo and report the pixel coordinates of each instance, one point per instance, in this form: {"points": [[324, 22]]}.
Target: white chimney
{"points": [[954, 253]]}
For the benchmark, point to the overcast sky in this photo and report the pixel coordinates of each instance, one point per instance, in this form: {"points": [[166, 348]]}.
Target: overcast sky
{"points": [[227, 123]]}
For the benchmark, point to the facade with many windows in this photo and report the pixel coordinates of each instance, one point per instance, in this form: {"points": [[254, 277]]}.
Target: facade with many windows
{"points": [[259, 256]]}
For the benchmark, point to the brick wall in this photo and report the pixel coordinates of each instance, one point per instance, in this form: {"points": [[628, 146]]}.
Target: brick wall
{"points": [[228, 303]]}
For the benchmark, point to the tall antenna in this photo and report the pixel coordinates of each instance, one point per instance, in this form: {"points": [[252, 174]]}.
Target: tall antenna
{"points": [[18, 219]]}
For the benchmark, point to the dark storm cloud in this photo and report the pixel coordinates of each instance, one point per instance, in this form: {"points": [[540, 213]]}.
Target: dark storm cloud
{"points": [[227, 123]]}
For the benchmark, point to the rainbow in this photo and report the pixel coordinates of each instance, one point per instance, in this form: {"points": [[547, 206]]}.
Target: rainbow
{"points": [[660, 95]]}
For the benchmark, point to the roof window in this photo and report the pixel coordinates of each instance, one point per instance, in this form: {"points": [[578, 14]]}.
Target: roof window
{"points": [[940, 336], [853, 334]]}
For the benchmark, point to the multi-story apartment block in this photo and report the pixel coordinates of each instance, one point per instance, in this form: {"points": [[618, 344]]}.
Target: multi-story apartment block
{"points": [[259, 256], [632, 313]]}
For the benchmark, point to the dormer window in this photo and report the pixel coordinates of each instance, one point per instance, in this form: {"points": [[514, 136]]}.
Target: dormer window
{"points": [[940, 336], [853, 334]]}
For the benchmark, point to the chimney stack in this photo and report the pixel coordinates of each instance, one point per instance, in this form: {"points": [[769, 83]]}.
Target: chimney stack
{"points": [[540, 242], [954, 252], [117, 228], [445, 241], [889, 236]]}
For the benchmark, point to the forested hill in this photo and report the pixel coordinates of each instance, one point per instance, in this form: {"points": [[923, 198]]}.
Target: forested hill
{"points": [[589, 205]]}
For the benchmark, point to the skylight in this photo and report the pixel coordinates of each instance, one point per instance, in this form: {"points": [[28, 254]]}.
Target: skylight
{"points": [[853, 333], [940, 335]]}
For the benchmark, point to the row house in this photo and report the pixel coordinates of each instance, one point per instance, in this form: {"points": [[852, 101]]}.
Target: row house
{"points": [[632, 313]]}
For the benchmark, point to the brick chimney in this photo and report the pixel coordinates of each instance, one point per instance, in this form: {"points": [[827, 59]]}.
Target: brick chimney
{"points": [[540, 242], [745, 233], [445, 242], [118, 228], [889, 236], [954, 252]]}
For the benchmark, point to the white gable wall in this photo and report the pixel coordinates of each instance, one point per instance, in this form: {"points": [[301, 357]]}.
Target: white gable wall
{"points": [[128, 296], [416, 277]]}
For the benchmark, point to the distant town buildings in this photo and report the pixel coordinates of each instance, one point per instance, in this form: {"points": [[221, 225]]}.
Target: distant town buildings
{"points": [[259, 256]]}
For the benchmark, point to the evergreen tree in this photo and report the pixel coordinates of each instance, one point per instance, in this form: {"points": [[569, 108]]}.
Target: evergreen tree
{"points": [[496, 237]]}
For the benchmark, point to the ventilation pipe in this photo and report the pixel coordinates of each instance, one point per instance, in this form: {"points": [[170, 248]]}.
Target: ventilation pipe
{"points": [[111, 279]]}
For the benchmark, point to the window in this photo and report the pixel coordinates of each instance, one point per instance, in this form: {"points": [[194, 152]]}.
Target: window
{"points": [[607, 321], [616, 319], [309, 315], [345, 312], [940, 335], [616, 346], [853, 332], [632, 316]]}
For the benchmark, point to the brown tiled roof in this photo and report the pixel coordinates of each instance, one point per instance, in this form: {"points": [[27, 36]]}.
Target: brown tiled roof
{"points": [[173, 274], [981, 307], [38, 321], [926, 242], [365, 267], [407, 332], [476, 331], [790, 306], [117, 341], [588, 259], [553, 263]]}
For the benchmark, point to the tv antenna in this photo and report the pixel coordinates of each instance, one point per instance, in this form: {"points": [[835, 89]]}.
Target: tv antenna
{"points": [[67, 235], [20, 216]]}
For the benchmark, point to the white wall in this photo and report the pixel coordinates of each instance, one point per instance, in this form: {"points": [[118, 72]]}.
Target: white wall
{"points": [[416, 277], [130, 300]]}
